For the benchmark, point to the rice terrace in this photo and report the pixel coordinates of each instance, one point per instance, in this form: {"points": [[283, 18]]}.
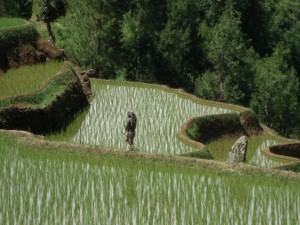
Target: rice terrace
{"points": [[63, 154]]}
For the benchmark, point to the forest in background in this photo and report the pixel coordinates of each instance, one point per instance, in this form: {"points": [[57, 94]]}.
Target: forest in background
{"points": [[244, 52]]}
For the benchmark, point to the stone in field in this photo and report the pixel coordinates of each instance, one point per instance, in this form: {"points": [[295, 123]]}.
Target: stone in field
{"points": [[238, 151]]}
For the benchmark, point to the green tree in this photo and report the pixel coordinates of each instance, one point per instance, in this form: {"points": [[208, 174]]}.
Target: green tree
{"points": [[255, 18], [285, 29], [140, 29], [49, 11], [92, 31], [231, 61], [274, 98], [206, 86], [16, 8], [25, 8], [181, 43]]}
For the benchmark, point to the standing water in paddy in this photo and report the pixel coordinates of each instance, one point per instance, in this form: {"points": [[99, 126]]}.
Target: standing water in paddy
{"points": [[160, 116], [53, 187]]}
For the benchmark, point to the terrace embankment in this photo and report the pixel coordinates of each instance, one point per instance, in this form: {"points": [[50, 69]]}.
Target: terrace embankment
{"points": [[289, 151], [208, 128], [38, 143], [47, 109], [51, 106], [201, 130], [22, 45]]}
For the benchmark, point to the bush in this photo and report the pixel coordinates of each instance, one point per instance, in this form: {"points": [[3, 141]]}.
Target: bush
{"points": [[16, 8], [250, 122], [12, 36], [208, 128]]}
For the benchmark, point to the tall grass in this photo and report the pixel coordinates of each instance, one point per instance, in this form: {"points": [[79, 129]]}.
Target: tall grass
{"points": [[48, 187], [27, 79], [11, 22]]}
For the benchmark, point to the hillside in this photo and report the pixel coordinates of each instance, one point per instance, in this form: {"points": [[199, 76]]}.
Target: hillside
{"points": [[22, 45]]}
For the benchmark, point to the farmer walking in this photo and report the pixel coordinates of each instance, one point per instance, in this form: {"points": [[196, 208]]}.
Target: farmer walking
{"points": [[130, 129]]}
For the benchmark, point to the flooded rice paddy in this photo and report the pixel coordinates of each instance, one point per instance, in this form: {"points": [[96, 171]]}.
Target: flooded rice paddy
{"points": [[160, 115], [49, 187]]}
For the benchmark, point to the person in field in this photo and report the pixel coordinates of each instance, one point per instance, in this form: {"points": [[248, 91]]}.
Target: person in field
{"points": [[130, 129]]}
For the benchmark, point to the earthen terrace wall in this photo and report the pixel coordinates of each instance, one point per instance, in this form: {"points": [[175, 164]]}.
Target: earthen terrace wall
{"points": [[48, 118], [208, 128], [289, 150]]}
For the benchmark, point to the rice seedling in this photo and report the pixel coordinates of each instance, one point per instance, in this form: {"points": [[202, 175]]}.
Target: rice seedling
{"points": [[48, 187], [10, 22], [27, 79], [160, 115], [256, 144]]}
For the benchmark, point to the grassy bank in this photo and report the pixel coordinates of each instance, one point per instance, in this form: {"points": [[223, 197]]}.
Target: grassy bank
{"points": [[27, 79], [43, 96], [14, 35], [11, 22]]}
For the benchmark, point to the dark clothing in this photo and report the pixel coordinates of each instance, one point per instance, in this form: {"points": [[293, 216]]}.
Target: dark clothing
{"points": [[130, 136], [131, 125], [130, 128]]}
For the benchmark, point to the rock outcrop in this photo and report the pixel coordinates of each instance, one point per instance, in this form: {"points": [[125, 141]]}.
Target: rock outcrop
{"points": [[238, 151]]}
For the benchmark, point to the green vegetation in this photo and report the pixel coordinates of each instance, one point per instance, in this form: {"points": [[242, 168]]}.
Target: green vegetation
{"points": [[295, 167], [232, 60], [202, 154], [175, 42], [219, 50], [53, 187], [10, 22], [49, 11], [16, 8], [215, 49], [43, 96], [211, 127], [274, 98], [256, 144], [12, 36], [27, 79], [158, 120], [68, 132]]}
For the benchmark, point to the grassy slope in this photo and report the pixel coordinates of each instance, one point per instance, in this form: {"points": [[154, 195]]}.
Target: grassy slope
{"points": [[27, 79], [11, 22], [43, 96]]}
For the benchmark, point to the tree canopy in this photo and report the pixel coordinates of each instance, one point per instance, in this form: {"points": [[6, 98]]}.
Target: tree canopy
{"points": [[244, 52], [49, 11]]}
